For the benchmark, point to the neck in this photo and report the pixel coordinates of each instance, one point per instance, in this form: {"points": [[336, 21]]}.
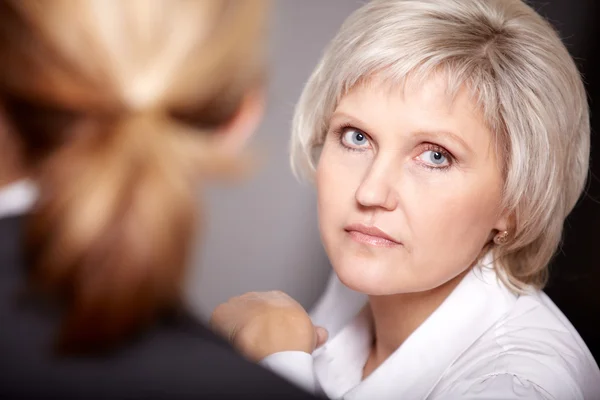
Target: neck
{"points": [[12, 166], [396, 317], [9, 174]]}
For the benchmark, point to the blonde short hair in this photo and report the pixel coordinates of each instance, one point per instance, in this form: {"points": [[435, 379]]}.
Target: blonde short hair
{"points": [[520, 73]]}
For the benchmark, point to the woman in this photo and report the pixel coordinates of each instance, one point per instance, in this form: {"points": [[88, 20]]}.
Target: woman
{"points": [[118, 109], [448, 140]]}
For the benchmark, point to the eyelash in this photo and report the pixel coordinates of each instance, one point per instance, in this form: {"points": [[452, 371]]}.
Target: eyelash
{"points": [[342, 129], [339, 134]]}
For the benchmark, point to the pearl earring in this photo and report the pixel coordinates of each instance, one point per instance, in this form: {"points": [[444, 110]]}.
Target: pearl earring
{"points": [[501, 238]]}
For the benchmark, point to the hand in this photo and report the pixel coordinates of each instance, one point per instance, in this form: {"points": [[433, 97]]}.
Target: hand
{"points": [[259, 324]]}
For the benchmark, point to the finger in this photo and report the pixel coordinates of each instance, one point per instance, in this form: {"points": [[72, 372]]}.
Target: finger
{"points": [[322, 336]]}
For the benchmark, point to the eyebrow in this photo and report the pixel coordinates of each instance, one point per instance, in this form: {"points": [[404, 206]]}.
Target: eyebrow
{"points": [[347, 118], [451, 135]]}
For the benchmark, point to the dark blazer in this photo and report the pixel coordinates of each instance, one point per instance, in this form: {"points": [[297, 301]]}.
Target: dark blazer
{"points": [[177, 359]]}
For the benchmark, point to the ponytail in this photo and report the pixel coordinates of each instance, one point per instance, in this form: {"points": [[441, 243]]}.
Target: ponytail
{"points": [[112, 228]]}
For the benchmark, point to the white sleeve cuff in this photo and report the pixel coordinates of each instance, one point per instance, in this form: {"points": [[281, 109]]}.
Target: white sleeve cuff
{"points": [[295, 366]]}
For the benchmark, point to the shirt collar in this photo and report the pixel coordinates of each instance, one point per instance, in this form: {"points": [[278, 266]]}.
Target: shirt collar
{"points": [[412, 371], [17, 198]]}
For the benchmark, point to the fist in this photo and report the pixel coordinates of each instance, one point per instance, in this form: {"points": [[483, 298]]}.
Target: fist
{"points": [[259, 324]]}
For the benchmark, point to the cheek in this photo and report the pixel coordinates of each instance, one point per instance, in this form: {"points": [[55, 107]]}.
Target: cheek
{"points": [[328, 195], [337, 181], [453, 225]]}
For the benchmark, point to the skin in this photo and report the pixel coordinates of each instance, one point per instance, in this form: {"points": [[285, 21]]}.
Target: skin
{"points": [[12, 167], [258, 324], [423, 171], [440, 212]]}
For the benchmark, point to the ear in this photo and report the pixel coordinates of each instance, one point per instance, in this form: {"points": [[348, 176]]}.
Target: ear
{"points": [[505, 222], [233, 136]]}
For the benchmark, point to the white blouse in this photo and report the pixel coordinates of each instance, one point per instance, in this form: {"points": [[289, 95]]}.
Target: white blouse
{"points": [[483, 342], [17, 198]]}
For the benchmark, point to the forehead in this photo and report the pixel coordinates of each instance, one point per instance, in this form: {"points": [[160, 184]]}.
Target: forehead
{"points": [[433, 95]]}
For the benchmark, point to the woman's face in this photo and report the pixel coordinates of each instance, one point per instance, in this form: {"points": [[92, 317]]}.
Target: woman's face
{"points": [[409, 188]]}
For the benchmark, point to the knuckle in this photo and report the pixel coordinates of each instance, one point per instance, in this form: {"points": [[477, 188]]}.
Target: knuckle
{"points": [[220, 310]]}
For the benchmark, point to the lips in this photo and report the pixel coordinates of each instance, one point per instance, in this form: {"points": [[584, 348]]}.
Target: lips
{"points": [[371, 235]]}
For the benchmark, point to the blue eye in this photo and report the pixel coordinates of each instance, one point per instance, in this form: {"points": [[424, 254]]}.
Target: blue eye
{"points": [[434, 158], [355, 138]]}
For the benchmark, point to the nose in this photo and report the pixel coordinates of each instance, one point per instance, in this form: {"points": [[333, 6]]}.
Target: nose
{"points": [[376, 189]]}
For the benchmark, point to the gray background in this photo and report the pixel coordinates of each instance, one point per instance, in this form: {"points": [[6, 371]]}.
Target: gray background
{"points": [[263, 234]]}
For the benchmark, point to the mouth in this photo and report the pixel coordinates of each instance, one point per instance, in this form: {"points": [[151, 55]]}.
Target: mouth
{"points": [[371, 235]]}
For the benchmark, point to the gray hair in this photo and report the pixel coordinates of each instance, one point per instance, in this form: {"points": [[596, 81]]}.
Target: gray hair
{"points": [[519, 72]]}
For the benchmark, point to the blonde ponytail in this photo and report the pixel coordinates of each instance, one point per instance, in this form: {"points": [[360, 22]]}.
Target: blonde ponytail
{"points": [[112, 228]]}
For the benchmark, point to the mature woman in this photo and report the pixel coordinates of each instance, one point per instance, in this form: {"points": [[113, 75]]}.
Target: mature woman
{"points": [[448, 140], [115, 111]]}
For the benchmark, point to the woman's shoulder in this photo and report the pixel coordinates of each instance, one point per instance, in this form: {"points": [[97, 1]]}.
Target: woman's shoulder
{"points": [[178, 356], [536, 324], [534, 350]]}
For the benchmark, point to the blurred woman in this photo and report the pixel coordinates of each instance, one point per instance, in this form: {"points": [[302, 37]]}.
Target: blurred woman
{"points": [[112, 113]]}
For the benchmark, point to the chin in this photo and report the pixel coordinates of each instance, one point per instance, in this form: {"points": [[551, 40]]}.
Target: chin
{"points": [[382, 277], [371, 279]]}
